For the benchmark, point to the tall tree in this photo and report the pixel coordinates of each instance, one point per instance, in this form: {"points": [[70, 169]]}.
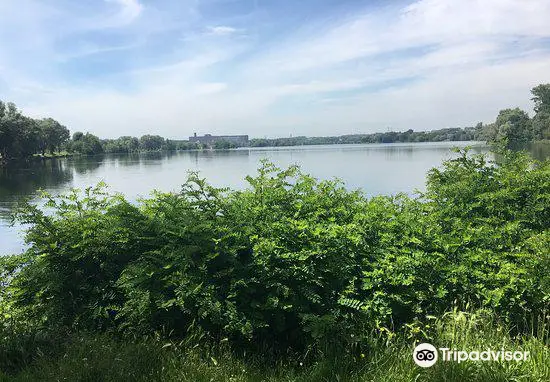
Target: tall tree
{"points": [[541, 126], [53, 134], [541, 97], [87, 144], [151, 142], [512, 127], [8, 113], [91, 144], [541, 121], [18, 134]]}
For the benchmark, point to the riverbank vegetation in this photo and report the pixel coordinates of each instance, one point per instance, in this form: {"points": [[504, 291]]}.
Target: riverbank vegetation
{"points": [[441, 135], [93, 357], [513, 127], [290, 279], [22, 137]]}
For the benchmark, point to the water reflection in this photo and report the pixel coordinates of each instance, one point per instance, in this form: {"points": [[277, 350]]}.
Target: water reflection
{"points": [[540, 150], [83, 165], [126, 160], [23, 179], [217, 154]]}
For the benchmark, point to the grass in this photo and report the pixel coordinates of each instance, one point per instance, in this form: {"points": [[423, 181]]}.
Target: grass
{"points": [[86, 357]]}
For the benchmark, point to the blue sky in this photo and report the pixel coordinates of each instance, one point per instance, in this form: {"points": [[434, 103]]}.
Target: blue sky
{"points": [[271, 68]]}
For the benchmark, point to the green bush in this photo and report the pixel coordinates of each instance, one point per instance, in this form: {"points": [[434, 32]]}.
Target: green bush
{"points": [[290, 262]]}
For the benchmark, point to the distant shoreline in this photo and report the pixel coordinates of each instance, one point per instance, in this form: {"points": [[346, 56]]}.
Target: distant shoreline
{"points": [[37, 157], [79, 155]]}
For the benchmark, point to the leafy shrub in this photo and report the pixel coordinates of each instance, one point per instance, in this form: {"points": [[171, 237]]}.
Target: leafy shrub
{"points": [[290, 261]]}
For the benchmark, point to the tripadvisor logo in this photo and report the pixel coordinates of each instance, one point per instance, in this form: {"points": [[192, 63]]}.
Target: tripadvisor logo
{"points": [[426, 355]]}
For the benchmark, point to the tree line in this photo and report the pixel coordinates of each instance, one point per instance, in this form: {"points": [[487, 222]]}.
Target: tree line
{"points": [[448, 134], [90, 144], [22, 136], [514, 127]]}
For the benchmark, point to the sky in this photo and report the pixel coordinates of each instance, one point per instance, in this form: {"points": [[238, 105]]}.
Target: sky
{"points": [[271, 68]]}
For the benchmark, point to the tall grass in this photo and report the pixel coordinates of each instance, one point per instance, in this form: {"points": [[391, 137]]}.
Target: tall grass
{"points": [[389, 358]]}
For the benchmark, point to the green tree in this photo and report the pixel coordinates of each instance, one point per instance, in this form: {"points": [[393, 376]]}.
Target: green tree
{"points": [[512, 128], [92, 144], [18, 133], [124, 144], [151, 142], [541, 121], [77, 136], [541, 126], [541, 97], [130, 143], [87, 144], [53, 135], [224, 145], [8, 115]]}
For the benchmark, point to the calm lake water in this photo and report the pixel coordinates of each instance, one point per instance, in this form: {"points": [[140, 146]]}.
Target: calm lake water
{"points": [[376, 169]]}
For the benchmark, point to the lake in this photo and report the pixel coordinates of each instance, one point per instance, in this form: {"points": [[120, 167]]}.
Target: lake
{"points": [[373, 168]]}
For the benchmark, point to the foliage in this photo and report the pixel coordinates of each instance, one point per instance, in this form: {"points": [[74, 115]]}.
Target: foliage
{"points": [[87, 144], [21, 136], [88, 357], [513, 128], [541, 120], [541, 98], [541, 126], [123, 144], [289, 262], [54, 135], [448, 134], [224, 145], [151, 142]]}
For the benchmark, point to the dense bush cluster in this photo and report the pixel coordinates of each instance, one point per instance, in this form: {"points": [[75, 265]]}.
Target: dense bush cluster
{"points": [[290, 261]]}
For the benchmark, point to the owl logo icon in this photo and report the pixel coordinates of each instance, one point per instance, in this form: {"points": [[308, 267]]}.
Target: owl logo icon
{"points": [[425, 355]]}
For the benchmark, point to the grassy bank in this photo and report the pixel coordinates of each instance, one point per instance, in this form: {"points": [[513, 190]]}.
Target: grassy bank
{"points": [[92, 357]]}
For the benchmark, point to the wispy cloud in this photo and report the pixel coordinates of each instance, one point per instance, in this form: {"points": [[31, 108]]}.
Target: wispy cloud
{"points": [[221, 30], [211, 88], [129, 67], [90, 50], [127, 12]]}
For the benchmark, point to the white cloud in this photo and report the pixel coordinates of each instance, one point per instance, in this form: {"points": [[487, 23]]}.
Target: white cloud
{"points": [[211, 88], [425, 22], [129, 10], [221, 30], [430, 64]]}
